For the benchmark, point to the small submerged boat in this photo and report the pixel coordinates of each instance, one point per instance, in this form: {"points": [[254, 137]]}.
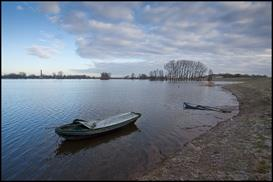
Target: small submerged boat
{"points": [[193, 106], [200, 107], [79, 128]]}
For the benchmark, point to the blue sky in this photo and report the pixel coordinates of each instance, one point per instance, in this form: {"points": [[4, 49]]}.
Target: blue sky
{"points": [[125, 37]]}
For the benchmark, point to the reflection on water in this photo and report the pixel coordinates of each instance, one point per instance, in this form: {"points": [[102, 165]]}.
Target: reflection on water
{"points": [[29, 151], [67, 147]]}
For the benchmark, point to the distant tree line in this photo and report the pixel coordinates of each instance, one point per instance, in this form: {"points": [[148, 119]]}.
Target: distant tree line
{"points": [[60, 75], [174, 71], [141, 76], [228, 75]]}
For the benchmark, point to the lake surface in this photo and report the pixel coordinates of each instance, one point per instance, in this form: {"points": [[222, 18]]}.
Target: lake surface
{"points": [[32, 108]]}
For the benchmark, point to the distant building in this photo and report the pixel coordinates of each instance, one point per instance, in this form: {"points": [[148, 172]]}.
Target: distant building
{"points": [[41, 74]]}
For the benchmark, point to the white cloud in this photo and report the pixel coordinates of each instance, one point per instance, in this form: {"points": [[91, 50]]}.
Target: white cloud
{"points": [[127, 30], [113, 10], [51, 45], [27, 4], [147, 7], [74, 22], [50, 7], [217, 33], [119, 68], [238, 5], [267, 53], [43, 52], [54, 19], [19, 7]]}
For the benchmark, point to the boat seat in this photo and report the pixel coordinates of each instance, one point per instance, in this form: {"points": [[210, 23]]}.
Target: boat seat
{"points": [[88, 124], [77, 120]]}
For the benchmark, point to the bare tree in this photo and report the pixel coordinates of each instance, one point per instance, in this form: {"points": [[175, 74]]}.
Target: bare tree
{"points": [[133, 75], [105, 76], [184, 70], [22, 74], [142, 76], [210, 75], [60, 75], [157, 75]]}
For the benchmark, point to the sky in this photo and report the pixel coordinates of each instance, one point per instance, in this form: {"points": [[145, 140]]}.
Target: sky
{"points": [[135, 37]]}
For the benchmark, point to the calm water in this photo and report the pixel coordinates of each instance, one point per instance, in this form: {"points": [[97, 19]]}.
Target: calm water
{"points": [[31, 108]]}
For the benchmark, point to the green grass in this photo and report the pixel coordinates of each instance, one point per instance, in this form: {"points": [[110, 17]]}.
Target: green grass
{"points": [[262, 167]]}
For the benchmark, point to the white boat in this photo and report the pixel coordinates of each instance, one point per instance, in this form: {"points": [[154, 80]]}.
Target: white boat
{"points": [[79, 129]]}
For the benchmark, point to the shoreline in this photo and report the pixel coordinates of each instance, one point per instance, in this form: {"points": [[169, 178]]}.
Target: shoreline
{"points": [[235, 149]]}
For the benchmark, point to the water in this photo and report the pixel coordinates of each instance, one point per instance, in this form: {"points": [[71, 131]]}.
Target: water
{"points": [[30, 108]]}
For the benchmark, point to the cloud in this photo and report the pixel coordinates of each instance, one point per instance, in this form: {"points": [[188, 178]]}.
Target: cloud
{"points": [[119, 69], [52, 40], [113, 10], [41, 51], [19, 7], [238, 5], [28, 6], [50, 7], [224, 35], [51, 45], [53, 19], [75, 22]]}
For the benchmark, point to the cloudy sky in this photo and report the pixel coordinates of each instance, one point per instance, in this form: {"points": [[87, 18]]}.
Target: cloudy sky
{"points": [[125, 37]]}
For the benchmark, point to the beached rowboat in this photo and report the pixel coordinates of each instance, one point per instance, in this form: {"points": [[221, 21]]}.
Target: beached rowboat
{"points": [[79, 129]]}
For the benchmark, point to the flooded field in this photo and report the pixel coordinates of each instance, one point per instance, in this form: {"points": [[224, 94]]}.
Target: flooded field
{"points": [[32, 108]]}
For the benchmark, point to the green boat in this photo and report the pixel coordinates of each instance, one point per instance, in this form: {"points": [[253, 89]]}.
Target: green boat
{"points": [[80, 129]]}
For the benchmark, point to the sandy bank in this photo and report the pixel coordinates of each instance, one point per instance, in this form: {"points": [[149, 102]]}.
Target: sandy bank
{"points": [[235, 149]]}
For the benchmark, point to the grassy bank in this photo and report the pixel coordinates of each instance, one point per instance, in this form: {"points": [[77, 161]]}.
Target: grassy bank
{"points": [[236, 149]]}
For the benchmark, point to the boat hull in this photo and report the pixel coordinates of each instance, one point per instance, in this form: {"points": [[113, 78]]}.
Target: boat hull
{"points": [[74, 135], [189, 106]]}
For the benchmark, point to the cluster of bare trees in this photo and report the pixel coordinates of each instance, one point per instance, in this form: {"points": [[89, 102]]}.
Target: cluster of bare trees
{"points": [[174, 71], [185, 70], [180, 70], [157, 75], [105, 76]]}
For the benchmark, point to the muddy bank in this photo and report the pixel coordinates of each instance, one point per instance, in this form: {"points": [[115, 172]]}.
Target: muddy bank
{"points": [[235, 149]]}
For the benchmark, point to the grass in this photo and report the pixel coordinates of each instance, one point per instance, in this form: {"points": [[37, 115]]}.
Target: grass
{"points": [[262, 167]]}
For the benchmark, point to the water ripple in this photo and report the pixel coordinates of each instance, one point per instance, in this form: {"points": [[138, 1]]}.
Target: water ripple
{"points": [[31, 107]]}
